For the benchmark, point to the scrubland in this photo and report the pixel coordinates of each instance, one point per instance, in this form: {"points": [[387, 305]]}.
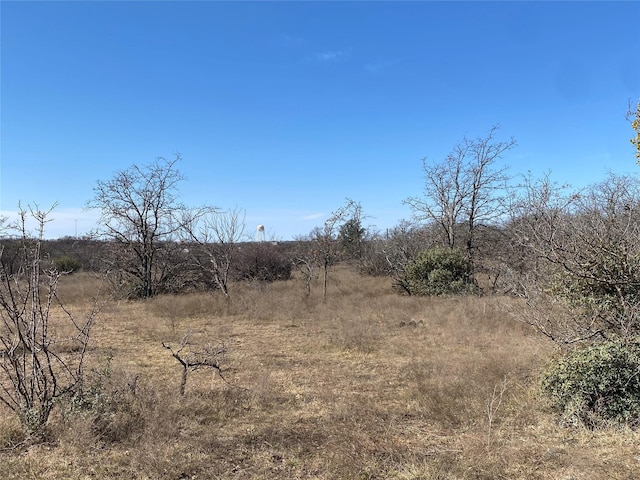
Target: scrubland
{"points": [[365, 385]]}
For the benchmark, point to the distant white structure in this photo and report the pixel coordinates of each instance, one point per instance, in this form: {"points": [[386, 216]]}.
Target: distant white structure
{"points": [[260, 233]]}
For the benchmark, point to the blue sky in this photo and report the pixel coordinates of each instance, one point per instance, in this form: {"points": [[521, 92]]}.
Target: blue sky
{"points": [[285, 109]]}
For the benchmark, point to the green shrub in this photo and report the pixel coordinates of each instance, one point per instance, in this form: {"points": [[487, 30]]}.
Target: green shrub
{"points": [[67, 264], [597, 385], [440, 271]]}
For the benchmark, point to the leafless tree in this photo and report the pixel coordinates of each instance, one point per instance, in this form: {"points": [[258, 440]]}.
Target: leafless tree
{"points": [[325, 241], [215, 234], [585, 279], [400, 246], [538, 206], [37, 364], [303, 258], [466, 188], [139, 211]]}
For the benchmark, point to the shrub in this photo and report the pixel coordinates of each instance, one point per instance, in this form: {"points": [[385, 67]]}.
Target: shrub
{"points": [[109, 403], [67, 264], [439, 271], [597, 385], [42, 354], [604, 296], [262, 262]]}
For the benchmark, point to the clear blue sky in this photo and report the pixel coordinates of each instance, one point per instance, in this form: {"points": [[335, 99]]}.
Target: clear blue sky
{"points": [[284, 109]]}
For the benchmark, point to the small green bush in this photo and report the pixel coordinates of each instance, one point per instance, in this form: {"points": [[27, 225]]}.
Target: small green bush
{"points": [[440, 271], [67, 264], [597, 385]]}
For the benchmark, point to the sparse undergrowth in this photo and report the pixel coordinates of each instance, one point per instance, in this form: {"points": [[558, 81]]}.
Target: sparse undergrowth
{"points": [[367, 385]]}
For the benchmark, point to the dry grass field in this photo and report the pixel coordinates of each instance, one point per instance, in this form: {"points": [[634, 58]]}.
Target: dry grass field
{"points": [[369, 385]]}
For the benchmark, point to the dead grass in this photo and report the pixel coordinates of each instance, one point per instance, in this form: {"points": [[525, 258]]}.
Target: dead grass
{"points": [[366, 385]]}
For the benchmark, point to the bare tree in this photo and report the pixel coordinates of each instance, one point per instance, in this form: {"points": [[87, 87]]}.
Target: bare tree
{"points": [[587, 258], [139, 210], [399, 247], [215, 234], [304, 260], [537, 209], [37, 366], [466, 188], [325, 240]]}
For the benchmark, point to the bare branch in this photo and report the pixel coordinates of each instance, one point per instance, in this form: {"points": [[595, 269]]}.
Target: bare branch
{"points": [[34, 368], [194, 357]]}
